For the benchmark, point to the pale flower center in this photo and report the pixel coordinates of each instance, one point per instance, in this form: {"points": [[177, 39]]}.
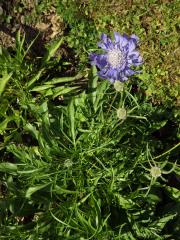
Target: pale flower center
{"points": [[115, 57]]}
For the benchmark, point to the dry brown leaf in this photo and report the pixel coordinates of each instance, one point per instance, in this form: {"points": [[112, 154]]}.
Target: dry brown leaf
{"points": [[42, 26]]}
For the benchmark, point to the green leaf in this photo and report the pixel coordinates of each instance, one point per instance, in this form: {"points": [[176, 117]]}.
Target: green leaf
{"points": [[60, 190], [64, 79], [3, 124], [35, 78], [29, 127], [52, 50], [27, 172], [93, 85], [174, 193], [124, 202], [8, 167], [48, 92], [84, 222], [4, 107], [163, 221], [41, 88], [72, 119], [101, 88], [63, 90], [158, 125], [20, 40], [3, 81], [32, 190]]}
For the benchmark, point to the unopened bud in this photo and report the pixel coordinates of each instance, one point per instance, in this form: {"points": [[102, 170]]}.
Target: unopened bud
{"points": [[119, 86], [121, 113]]}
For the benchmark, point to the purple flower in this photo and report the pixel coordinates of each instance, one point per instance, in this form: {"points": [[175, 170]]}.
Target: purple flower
{"points": [[117, 58]]}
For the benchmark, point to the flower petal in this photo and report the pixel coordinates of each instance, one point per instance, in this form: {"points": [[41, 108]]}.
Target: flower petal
{"points": [[133, 55], [110, 74], [132, 46], [134, 38], [117, 37], [129, 72], [137, 62], [105, 43], [103, 46], [100, 60], [123, 77], [121, 40], [124, 42], [104, 37]]}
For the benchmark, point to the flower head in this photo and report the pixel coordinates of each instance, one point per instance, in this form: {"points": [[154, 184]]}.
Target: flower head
{"points": [[118, 57], [121, 113], [155, 172]]}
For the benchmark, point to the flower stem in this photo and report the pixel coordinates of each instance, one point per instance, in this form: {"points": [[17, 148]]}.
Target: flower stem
{"points": [[168, 151], [112, 103]]}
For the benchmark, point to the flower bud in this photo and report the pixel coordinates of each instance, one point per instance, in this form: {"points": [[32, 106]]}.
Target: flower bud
{"points": [[121, 113], [119, 86]]}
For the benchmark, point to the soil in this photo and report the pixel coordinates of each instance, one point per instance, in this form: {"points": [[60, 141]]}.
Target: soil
{"points": [[47, 27]]}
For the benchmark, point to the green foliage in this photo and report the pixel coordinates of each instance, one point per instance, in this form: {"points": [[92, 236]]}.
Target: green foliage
{"points": [[72, 166], [22, 84], [83, 176], [82, 32]]}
